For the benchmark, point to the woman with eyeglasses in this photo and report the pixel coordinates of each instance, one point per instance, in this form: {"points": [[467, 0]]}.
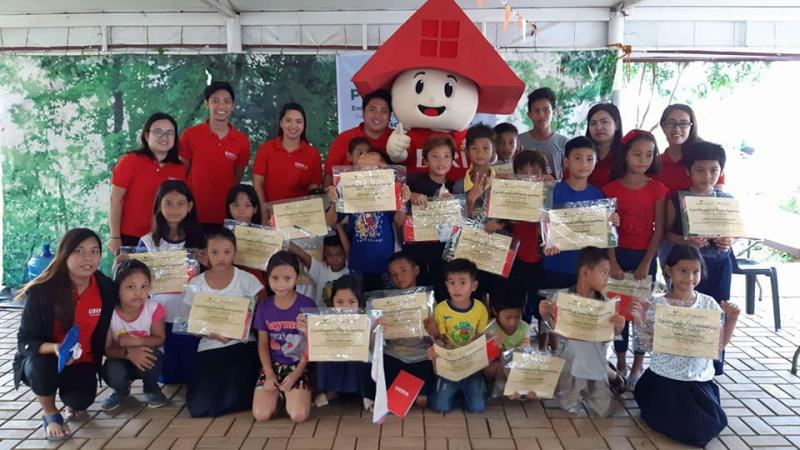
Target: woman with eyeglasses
{"points": [[679, 125], [136, 178]]}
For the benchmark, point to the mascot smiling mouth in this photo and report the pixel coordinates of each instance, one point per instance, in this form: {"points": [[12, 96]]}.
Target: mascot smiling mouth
{"points": [[431, 111]]}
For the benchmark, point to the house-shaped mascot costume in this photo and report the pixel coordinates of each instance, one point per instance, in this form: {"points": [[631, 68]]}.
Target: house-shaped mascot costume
{"points": [[440, 71]]}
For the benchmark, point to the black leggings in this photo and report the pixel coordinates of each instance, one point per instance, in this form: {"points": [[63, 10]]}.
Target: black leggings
{"points": [[76, 385]]}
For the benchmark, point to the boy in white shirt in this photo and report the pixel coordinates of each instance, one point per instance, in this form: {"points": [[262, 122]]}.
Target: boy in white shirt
{"points": [[332, 267]]}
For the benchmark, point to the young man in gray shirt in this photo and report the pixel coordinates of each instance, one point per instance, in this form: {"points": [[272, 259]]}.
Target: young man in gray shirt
{"points": [[541, 103]]}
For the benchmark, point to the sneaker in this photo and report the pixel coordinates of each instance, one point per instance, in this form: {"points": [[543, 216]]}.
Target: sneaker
{"points": [[112, 402], [155, 399]]}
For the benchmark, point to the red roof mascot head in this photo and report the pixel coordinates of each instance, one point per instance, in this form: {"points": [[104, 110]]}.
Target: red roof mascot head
{"points": [[441, 71]]}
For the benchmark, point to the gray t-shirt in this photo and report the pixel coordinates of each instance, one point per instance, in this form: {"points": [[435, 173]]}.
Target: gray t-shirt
{"points": [[552, 147]]}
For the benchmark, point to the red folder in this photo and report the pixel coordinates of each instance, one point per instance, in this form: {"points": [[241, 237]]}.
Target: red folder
{"points": [[403, 392]]}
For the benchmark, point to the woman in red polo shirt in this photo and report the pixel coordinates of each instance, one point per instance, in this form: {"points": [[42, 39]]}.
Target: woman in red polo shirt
{"points": [[136, 179], [70, 292], [604, 128], [287, 166]]}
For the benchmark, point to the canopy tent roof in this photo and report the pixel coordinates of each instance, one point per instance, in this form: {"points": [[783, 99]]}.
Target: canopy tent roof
{"points": [[650, 27]]}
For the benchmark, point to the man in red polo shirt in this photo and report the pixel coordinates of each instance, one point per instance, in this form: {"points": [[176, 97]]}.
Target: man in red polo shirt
{"points": [[377, 109], [215, 154]]}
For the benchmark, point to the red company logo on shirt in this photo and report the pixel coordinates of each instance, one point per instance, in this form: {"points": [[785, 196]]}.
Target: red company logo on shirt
{"points": [[93, 312], [230, 155], [299, 165]]}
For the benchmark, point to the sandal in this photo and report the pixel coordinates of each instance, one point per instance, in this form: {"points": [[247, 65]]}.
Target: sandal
{"points": [[619, 384], [57, 419], [75, 415]]}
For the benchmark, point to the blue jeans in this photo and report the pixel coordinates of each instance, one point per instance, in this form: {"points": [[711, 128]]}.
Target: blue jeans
{"points": [[471, 388]]}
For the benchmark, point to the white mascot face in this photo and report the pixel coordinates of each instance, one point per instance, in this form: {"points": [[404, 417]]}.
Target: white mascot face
{"points": [[431, 98]]}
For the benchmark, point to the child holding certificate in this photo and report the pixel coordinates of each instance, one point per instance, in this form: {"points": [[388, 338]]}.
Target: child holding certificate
{"points": [[510, 330], [458, 321], [372, 235], [284, 371], [242, 205], [347, 377], [438, 153], [175, 227], [586, 374], [527, 272], [224, 370], [409, 354], [640, 205], [323, 273], [134, 338], [506, 142], [676, 394]]}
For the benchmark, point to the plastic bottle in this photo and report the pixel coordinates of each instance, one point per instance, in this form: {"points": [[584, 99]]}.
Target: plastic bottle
{"points": [[38, 263]]}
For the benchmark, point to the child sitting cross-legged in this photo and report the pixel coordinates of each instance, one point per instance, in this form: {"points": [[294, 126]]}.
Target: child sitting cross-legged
{"points": [[586, 373]]}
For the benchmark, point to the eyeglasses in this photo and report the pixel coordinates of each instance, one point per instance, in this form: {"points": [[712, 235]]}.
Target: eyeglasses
{"points": [[159, 133], [683, 124]]}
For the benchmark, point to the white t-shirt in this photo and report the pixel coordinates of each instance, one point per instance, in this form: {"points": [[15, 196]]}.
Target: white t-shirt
{"points": [[683, 368], [242, 285], [140, 327], [323, 277], [171, 302]]}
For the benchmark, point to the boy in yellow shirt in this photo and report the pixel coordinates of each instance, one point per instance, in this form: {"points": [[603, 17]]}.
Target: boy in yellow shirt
{"points": [[458, 320]]}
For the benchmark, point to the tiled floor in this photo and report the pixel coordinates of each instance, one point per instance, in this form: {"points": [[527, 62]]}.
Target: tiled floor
{"points": [[760, 396]]}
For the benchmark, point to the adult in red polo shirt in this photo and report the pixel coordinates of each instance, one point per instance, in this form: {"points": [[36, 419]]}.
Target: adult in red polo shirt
{"points": [[287, 166], [71, 291], [215, 153], [377, 109], [136, 178], [604, 128], [679, 125]]}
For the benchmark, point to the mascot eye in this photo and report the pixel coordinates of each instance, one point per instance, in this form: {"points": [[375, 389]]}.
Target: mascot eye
{"points": [[448, 89], [419, 86]]}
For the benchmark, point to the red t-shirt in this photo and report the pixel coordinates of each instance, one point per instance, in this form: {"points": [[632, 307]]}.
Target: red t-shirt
{"points": [[287, 174], [601, 175], [527, 233], [213, 161], [337, 153], [673, 174], [88, 306], [637, 211], [141, 176], [415, 163]]}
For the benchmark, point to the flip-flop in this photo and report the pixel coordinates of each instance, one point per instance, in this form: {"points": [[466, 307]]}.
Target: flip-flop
{"points": [[58, 419], [631, 380]]}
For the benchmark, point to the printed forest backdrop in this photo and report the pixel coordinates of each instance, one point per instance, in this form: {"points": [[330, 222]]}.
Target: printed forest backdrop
{"points": [[65, 121]]}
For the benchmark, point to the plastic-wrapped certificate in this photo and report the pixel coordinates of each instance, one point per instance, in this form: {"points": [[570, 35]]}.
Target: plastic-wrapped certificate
{"points": [[576, 228], [338, 337], [686, 332], [368, 191], [425, 220], [489, 251], [256, 245], [224, 315], [459, 363], [584, 318], [533, 373], [300, 218], [712, 216], [168, 269], [403, 315], [516, 200]]}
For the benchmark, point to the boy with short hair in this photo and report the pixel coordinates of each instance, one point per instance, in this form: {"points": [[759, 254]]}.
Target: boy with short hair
{"points": [[506, 139], [323, 273], [579, 160], [458, 320], [586, 374], [438, 153], [541, 106], [357, 147], [409, 354], [510, 329], [371, 234], [478, 179], [704, 163]]}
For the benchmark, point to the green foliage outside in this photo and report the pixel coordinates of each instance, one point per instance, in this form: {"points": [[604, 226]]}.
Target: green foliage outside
{"points": [[79, 114], [72, 117]]}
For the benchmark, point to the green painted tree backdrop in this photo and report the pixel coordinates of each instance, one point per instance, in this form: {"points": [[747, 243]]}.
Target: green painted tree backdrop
{"points": [[69, 118]]}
